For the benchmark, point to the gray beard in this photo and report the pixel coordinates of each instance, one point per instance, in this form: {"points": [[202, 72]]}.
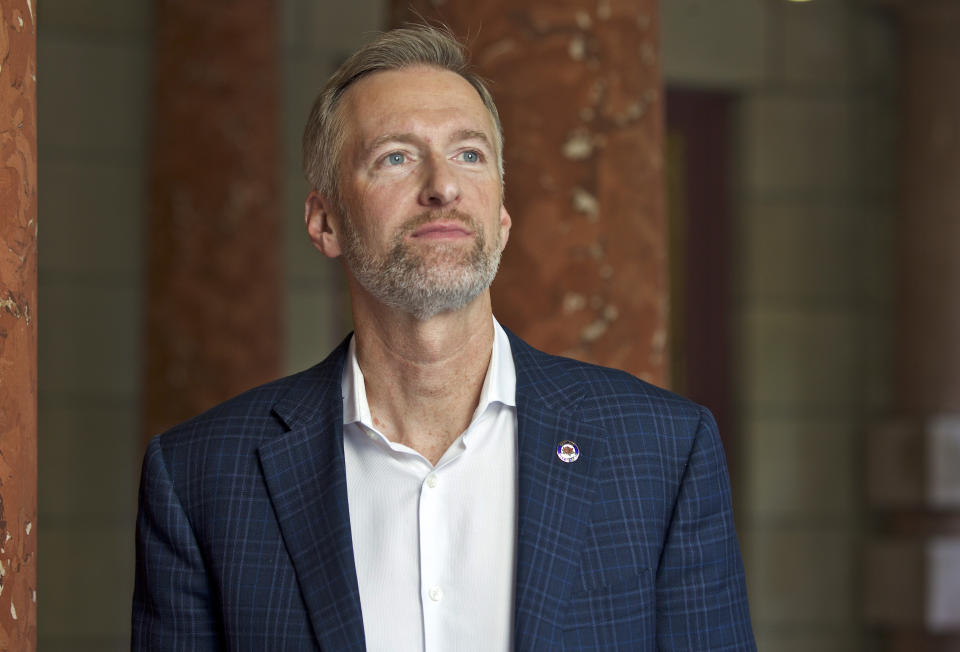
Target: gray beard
{"points": [[443, 279]]}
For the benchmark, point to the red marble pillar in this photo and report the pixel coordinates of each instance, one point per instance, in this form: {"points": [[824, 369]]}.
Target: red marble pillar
{"points": [[913, 562], [212, 302], [578, 87], [18, 326]]}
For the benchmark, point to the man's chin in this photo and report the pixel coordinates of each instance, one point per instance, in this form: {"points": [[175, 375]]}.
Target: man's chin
{"points": [[429, 305]]}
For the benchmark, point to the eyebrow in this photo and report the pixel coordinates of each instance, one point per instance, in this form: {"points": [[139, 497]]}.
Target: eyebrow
{"points": [[460, 135], [389, 138], [473, 134]]}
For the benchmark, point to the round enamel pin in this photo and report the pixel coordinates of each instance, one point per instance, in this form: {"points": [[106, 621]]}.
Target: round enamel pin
{"points": [[568, 452]]}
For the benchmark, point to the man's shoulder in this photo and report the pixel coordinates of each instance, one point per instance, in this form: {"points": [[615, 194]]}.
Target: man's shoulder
{"points": [[594, 386], [262, 411]]}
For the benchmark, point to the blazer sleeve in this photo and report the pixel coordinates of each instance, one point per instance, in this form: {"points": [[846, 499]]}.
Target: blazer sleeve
{"points": [[701, 592], [173, 602]]}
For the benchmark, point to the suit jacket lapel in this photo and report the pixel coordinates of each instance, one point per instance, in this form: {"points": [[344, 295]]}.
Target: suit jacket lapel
{"points": [[306, 479], [554, 498]]}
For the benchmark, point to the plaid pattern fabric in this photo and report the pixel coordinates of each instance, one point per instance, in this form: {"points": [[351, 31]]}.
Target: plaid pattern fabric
{"points": [[243, 533], [631, 547]]}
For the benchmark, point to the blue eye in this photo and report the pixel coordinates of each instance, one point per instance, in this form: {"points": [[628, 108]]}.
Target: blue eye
{"points": [[471, 156], [397, 158]]}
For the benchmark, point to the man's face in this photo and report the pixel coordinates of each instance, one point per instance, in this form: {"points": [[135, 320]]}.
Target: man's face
{"points": [[421, 220]]}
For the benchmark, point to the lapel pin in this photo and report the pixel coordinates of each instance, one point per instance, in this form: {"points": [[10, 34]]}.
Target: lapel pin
{"points": [[568, 452]]}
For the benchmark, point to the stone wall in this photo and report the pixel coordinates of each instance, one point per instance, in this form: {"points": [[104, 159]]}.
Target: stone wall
{"points": [[815, 201], [92, 97]]}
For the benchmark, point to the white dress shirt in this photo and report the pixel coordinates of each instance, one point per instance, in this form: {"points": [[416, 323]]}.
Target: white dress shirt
{"points": [[435, 546]]}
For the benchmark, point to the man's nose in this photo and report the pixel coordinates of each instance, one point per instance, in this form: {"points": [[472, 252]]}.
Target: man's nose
{"points": [[440, 185]]}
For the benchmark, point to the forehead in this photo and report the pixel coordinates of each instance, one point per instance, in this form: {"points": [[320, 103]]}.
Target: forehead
{"points": [[412, 99]]}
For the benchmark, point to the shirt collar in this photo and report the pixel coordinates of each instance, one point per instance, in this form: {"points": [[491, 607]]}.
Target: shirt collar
{"points": [[355, 406], [499, 384]]}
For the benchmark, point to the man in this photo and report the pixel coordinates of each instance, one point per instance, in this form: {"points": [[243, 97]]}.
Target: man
{"points": [[435, 483]]}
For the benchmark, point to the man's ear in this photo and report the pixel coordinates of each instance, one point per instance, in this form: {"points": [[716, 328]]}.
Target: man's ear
{"points": [[323, 224], [505, 224]]}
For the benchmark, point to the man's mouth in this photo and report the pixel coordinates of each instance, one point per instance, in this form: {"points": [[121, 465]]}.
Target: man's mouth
{"points": [[441, 229], [441, 225]]}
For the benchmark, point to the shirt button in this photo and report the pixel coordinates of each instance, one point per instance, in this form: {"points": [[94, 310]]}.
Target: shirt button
{"points": [[435, 593], [432, 480]]}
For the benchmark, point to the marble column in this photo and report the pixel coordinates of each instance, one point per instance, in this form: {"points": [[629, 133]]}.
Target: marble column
{"points": [[18, 326], [578, 87], [213, 300], [913, 562]]}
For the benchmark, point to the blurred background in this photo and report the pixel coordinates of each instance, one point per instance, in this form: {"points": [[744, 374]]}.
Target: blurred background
{"points": [[754, 202]]}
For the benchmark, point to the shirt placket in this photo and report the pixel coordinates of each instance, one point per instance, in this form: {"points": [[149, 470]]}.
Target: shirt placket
{"points": [[433, 552]]}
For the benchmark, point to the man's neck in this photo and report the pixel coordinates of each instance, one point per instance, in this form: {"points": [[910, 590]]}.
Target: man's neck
{"points": [[424, 377]]}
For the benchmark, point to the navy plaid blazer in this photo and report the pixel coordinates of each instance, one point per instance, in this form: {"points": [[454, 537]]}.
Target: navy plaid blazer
{"points": [[243, 532]]}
